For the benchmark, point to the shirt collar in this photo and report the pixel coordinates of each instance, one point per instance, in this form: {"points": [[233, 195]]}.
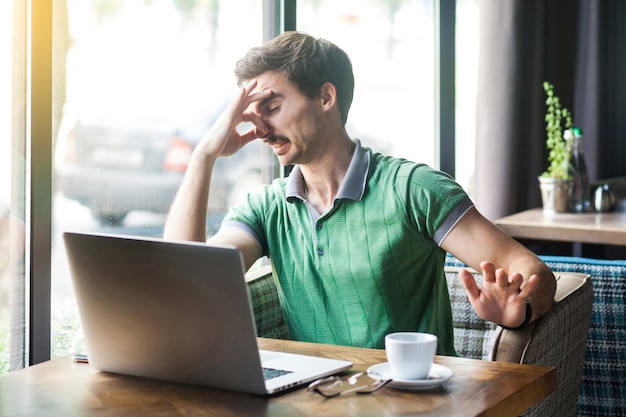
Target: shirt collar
{"points": [[353, 185]]}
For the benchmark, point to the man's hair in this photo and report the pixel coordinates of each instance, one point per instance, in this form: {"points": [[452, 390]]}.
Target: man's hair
{"points": [[305, 61]]}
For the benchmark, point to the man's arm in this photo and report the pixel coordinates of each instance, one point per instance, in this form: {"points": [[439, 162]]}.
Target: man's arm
{"points": [[187, 217], [512, 275]]}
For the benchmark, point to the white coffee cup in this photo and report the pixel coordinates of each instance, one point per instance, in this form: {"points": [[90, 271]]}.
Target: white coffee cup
{"points": [[410, 354]]}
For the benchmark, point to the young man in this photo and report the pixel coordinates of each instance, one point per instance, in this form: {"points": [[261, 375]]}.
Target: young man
{"points": [[357, 240]]}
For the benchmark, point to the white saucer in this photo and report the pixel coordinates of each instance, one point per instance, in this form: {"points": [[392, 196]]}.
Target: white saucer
{"points": [[437, 375]]}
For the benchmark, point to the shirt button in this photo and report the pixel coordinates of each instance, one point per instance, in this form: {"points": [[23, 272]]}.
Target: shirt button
{"points": [[318, 226], [320, 252]]}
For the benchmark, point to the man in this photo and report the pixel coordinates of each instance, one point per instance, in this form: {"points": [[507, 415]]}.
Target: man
{"points": [[357, 240]]}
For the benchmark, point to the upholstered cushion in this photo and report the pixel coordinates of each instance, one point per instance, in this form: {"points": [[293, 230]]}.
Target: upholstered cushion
{"points": [[603, 388], [268, 315], [473, 336]]}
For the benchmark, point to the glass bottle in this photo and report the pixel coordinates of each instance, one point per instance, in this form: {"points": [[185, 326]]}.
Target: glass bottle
{"points": [[580, 199]]}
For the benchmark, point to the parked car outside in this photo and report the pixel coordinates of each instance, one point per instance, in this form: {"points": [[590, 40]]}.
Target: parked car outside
{"points": [[116, 162]]}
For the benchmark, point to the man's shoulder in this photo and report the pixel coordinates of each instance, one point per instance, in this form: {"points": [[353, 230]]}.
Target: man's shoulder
{"points": [[274, 192], [392, 166]]}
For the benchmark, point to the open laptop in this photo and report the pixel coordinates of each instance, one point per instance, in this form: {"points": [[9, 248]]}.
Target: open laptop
{"points": [[178, 312]]}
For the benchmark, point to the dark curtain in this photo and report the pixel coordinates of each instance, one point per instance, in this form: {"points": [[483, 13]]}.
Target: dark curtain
{"points": [[580, 47]]}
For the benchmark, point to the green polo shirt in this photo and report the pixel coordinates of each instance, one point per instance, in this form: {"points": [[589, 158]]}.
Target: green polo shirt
{"points": [[369, 266]]}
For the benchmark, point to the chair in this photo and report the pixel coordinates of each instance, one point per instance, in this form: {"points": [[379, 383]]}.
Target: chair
{"points": [[603, 388], [557, 340]]}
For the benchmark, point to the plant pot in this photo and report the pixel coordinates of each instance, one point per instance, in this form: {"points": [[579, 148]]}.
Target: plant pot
{"points": [[555, 194]]}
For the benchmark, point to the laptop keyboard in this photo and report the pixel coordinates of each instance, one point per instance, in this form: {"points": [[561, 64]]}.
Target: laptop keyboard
{"points": [[269, 373]]}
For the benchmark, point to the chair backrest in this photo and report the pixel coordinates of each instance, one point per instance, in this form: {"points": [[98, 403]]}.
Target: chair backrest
{"points": [[603, 388], [558, 339], [268, 316]]}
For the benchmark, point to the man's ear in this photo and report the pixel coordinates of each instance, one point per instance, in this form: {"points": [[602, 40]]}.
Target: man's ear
{"points": [[328, 94]]}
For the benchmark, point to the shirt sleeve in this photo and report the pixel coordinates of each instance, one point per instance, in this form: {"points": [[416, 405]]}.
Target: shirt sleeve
{"points": [[436, 202], [249, 216]]}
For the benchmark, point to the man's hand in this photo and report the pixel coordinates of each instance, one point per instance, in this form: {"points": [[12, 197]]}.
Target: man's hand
{"points": [[187, 217], [223, 138], [501, 298]]}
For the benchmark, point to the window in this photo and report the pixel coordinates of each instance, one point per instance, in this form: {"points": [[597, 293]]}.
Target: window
{"points": [[391, 45], [12, 187], [467, 30], [143, 80], [133, 82]]}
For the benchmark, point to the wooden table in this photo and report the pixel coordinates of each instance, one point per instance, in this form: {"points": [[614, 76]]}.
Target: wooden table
{"points": [[599, 228], [62, 388]]}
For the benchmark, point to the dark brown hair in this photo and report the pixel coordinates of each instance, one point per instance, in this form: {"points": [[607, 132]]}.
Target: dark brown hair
{"points": [[305, 61]]}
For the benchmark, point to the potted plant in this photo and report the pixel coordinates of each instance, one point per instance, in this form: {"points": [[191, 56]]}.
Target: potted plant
{"points": [[556, 181]]}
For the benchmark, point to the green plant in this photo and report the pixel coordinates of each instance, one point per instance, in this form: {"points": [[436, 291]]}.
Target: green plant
{"points": [[558, 120], [66, 332]]}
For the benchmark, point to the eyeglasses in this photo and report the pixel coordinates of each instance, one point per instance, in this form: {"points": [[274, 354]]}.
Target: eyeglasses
{"points": [[334, 386]]}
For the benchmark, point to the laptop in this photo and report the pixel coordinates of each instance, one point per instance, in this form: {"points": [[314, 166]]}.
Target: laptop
{"points": [[178, 312]]}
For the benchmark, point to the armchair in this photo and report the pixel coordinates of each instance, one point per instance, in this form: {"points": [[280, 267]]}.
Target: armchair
{"points": [[558, 339]]}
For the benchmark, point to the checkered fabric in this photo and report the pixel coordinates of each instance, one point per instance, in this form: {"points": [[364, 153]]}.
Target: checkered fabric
{"points": [[603, 387], [268, 315], [557, 340], [473, 336]]}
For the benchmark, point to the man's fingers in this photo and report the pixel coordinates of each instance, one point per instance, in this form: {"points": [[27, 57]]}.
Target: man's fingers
{"points": [[516, 280], [261, 128], [470, 285], [248, 136], [488, 271], [502, 278], [531, 286]]}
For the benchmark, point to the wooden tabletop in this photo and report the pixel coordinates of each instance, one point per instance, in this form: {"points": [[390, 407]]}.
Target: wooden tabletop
{"points": [[600, 228], [478, 388]]}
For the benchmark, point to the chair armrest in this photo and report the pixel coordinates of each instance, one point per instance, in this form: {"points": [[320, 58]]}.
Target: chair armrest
{"points": [[513, 345]]}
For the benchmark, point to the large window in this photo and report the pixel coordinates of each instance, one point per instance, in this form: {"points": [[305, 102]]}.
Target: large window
{"points": [[5, 177], [143, 81], [391, 45], [467, 25], [12, 187], [133, 85]]}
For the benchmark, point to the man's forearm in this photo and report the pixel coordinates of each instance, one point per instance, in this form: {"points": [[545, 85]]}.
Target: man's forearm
{"points": [[542, 298], [186, 219]]}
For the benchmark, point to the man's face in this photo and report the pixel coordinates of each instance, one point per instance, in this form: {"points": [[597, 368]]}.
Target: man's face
{"points": [[291, 120]]}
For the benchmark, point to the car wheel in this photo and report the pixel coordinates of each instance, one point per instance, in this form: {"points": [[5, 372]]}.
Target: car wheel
{"points": [[106, 218]]}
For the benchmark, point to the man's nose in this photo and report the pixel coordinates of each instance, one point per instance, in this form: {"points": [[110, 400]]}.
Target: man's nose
{"points": [[265, 125], [263, 130]]}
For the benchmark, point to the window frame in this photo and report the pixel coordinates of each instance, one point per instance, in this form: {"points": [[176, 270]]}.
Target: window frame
{"points": [[39, 180]]}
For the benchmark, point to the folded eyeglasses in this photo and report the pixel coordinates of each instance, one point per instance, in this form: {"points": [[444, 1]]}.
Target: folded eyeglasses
{"points": [[360, 383]]}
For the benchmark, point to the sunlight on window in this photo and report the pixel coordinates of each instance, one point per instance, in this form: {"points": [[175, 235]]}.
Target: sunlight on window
{"points": [[391, 45], [144, 81], [139, 81], [467, 32], [5, 178]]}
